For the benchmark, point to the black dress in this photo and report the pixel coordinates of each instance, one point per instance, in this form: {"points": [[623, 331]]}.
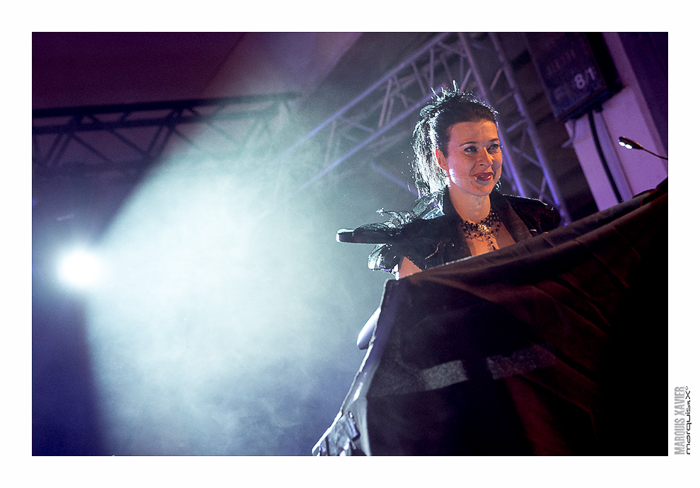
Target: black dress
{"points": [[430, 234]]}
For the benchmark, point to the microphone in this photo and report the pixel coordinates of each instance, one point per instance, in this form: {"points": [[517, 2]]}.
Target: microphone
{"points": [[630, 144]]}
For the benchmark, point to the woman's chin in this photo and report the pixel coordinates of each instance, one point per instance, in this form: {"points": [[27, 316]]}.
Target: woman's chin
{"points": [[483, 185]]}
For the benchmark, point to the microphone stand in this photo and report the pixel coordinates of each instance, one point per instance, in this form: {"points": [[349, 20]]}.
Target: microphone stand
{"points": [[630, 144]]}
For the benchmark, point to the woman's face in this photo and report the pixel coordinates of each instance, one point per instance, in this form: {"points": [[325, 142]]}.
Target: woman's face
{"points": [[473, 161]]}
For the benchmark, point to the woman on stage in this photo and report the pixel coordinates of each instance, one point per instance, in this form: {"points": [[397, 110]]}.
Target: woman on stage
{"points": [[458, 163]]}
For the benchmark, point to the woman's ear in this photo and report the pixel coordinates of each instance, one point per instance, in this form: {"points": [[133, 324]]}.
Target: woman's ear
{"points": [[441, 159]]}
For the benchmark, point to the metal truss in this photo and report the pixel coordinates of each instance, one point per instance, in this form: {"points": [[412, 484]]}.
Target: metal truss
{"points": [[383, 115], [129, 138]]}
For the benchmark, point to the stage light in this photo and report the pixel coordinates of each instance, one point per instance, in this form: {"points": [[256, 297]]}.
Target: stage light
{"points": [[79, 268]]}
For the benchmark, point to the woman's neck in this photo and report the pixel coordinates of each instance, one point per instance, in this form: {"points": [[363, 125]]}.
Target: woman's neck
{"points": [[472, 208]]}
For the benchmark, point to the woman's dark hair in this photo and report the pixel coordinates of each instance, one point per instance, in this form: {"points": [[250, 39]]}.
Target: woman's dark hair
{"points": [[447, 108]]}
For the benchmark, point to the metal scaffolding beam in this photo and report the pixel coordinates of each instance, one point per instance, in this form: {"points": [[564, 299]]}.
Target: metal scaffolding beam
{"points": [[130, 137], [370, 123]]}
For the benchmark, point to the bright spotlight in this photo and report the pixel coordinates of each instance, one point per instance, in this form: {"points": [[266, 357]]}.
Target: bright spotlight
{"points": [[79, 268]]}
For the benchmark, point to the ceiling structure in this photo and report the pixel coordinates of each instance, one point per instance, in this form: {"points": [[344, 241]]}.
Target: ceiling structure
{"points": [[217, 93]]}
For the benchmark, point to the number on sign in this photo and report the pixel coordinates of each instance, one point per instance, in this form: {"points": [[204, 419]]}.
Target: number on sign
{"points": [[581, 79]]}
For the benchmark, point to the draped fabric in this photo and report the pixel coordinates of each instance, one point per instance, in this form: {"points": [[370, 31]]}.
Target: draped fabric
{"points": [[554, 346]]}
